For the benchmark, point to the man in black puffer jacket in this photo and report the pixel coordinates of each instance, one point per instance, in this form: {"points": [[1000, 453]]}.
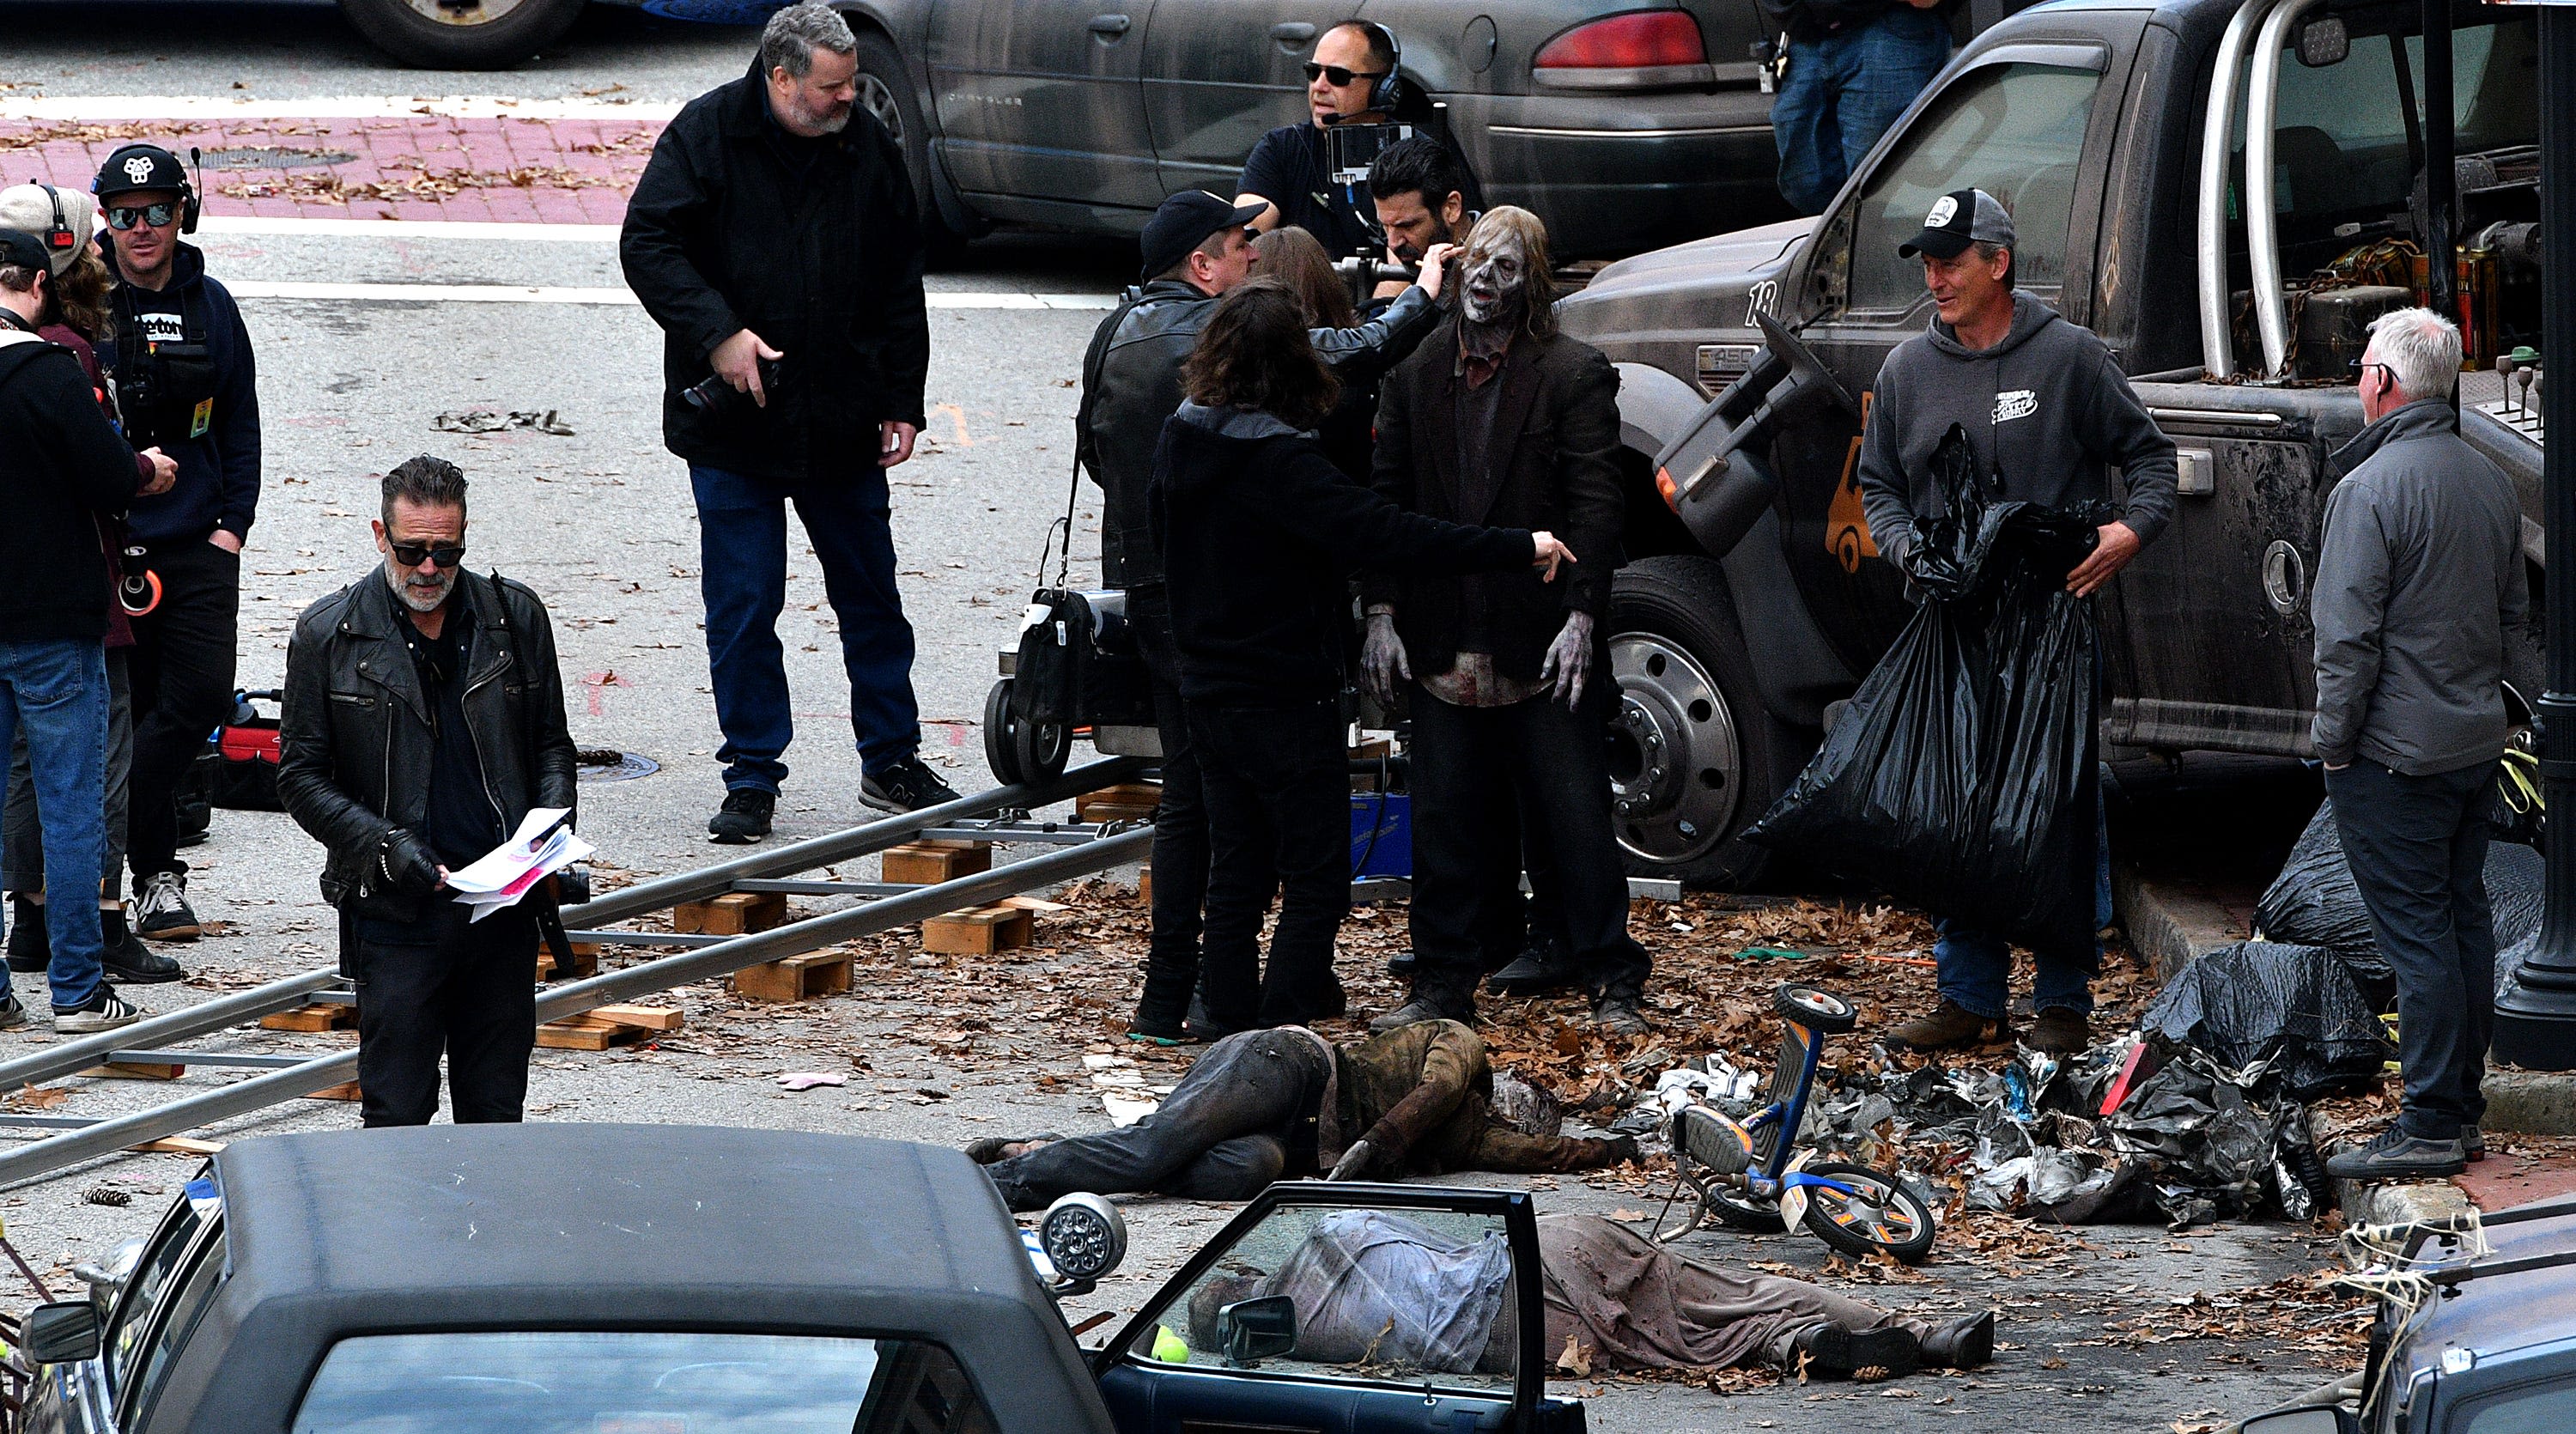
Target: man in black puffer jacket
{"points": [[1259, 533], [423, 720]]}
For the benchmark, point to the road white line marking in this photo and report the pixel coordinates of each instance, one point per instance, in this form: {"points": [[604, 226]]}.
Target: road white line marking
{"points": [[562, 294], [108, 109], [410, 229]]}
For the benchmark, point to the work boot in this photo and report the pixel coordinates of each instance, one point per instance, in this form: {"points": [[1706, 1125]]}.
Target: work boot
{"points": [[1962, 1343], [907, 786], [2395, 1155], [2473, 1144], [994, 1148], [1866, 1356], [29, 950], [128, 959], [103, 1011], [2061, 1032], [1536, 972], [1199, 1026], [161, 910], [12, 1014], [744, 817], [1618, 1016], [1949, 1027], [1420, 1008]]}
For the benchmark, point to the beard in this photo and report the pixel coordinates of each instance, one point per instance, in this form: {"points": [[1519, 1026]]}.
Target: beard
{"points": [[821, 123], [415, 594]]}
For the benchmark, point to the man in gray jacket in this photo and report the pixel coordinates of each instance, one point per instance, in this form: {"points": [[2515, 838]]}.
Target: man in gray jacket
{"points": [[2421, 600], [2047, 412]]}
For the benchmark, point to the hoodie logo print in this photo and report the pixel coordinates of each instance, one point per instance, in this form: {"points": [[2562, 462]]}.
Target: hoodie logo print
{"points": [[2017, 403]]}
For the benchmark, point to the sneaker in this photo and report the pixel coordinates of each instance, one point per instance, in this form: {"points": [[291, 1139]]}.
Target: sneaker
{"points": [[907, 786], [1534, 974], [128, 959], [2473, 1144], [2395, 1155], [1159, 1028], [1420, 1008], [104, 1011], [2061, 1032], [1618, 1016], [744, 817], [161, 908], [29, 950], [1711, 1140], [12, 1014], [1949, 1027], [1862, 1355]]}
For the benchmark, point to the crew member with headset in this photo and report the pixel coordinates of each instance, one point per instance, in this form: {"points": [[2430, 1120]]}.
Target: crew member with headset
{"points": [[187, 383], [1352, 79]]}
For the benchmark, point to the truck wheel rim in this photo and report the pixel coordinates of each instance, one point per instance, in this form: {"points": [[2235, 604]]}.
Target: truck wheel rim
{"points": [[1676, 767], [878, 100], [468, 15]]}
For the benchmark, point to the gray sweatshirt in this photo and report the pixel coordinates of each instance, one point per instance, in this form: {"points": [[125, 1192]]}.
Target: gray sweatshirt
{"points": [[2047, 411], [2420, 600]]}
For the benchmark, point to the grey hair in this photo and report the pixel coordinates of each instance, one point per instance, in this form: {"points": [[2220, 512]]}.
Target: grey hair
{"points": [[795, 33], [2421, 348], [1987, 250], [426, 481]]}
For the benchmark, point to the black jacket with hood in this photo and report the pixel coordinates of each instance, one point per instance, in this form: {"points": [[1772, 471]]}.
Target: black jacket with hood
{"points": [[1259, 534], [730, 230], [354, 743], [218, 484], [62, 465]]}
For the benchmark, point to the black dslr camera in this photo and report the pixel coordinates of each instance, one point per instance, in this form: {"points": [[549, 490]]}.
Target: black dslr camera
{"points": [[713, 395]]}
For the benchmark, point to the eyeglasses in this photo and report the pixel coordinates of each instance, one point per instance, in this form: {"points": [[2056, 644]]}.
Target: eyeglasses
{"points": [[123, 216], [412, 555], [1341, 78], [2358, 368]]}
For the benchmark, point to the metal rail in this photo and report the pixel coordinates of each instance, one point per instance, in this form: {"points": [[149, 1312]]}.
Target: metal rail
{"points": [[286, 1078]]}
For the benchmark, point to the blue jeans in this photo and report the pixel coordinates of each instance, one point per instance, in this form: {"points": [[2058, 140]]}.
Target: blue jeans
{"points": [[742, 546], [1976, 968], [56, 692], [1840, 94]]}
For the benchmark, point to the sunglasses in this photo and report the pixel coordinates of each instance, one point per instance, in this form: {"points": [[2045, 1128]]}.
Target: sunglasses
{"points": [[2357, 368], [1342, 78], [123, 216], [412, 555]]}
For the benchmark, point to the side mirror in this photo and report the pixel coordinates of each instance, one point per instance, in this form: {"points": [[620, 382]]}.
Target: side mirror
{"points": [[107, 1278], [2314, 1419], [64, 1332], [1253, 1330], [2324, 41]]}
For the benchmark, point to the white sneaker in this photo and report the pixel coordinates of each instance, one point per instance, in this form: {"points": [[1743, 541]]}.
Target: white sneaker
{"points": [[105, 1012], [161, 911]]}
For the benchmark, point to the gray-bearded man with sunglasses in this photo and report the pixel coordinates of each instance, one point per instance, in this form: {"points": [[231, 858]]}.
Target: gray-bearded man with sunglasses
{"points": [[423, 720]]}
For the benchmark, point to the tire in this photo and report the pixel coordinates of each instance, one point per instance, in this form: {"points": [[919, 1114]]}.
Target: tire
{"points": [[1694, 756], [1887, 1216], [1001, 744], [1754, 1214], [886, 91], [481, 35], [1822, 1012], [1041, 749]]}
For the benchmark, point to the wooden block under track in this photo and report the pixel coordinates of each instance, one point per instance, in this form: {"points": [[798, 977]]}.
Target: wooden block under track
{"points": [[1126, 802], [585, 962], [136, 1070], [978, 931], [809, 977], [926, 863], [643, 1018], [345, 1090], [178, 1145], [581, 1033], [320, 1016], [736, 913]]}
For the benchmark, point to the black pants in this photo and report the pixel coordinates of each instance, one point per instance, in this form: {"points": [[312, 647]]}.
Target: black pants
{"points": [[444, 983], [2418, 851], [181, 668], [1471, 765], [1278, 788], [1226, 1131], [1180, 824]]}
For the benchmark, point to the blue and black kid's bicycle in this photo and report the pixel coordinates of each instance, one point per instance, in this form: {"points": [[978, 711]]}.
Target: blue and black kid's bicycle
{"points": [[1753, 1174]]}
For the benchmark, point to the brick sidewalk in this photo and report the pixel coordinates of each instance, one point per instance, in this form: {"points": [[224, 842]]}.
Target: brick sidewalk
{"points": [[550, 171], [2504, 1180]]}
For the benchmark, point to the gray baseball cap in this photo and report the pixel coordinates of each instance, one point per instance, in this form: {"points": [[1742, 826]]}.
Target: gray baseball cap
{"points": [[1958, 219]]}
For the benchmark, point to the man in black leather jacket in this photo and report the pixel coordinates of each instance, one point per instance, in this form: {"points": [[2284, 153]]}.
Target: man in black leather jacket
{"points": [[1195, 249], [423, 720]]}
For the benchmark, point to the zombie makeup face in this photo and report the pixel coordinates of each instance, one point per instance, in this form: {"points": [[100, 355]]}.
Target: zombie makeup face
{"points": [[1496, 269]]}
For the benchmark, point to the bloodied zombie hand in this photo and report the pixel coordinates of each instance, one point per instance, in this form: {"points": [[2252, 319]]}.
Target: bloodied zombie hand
{"points": [[1569, 659]]}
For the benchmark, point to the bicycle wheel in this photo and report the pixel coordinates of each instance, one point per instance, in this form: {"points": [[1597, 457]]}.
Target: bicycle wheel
{"points": [[1879, 1214], [1756, 1214]]}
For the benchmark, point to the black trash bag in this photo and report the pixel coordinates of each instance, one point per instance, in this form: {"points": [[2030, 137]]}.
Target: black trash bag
{"points": [[1961, 778], [2296, 1008], [2313, 902]]}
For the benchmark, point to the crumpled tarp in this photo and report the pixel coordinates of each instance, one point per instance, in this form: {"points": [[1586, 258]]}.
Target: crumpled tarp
{"points": [[2294, 1009], [1375, 1287], [2313, 902]]}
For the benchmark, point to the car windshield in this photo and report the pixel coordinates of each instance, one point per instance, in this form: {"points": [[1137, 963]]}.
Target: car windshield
{"points": [[636, 1382]]}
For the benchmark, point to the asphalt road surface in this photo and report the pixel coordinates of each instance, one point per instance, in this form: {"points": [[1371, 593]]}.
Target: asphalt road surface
{"points": [[355, 374]]}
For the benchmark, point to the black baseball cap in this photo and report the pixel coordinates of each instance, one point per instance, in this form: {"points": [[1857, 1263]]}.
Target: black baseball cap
{"points": [[1958, 219], [139, 167], [25, 250], [1182, 222]]}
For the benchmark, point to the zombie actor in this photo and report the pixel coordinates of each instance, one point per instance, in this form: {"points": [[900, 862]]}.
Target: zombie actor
{"points": [[1498, 418]]}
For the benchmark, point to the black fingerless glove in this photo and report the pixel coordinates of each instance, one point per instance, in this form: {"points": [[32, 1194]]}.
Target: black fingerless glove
{"points": [[404, 863]]}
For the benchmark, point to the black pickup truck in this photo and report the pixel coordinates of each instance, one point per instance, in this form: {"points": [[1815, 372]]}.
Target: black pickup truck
{"points": [[2132, 176]]}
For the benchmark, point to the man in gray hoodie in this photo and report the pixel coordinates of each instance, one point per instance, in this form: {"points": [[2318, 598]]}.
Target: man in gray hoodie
{"points": [[2047, 412], [2420, 605]]}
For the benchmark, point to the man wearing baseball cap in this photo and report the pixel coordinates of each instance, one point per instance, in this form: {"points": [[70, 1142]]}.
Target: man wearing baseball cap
{"points": [[1195, 248], [2048, 413], [187, 382]]}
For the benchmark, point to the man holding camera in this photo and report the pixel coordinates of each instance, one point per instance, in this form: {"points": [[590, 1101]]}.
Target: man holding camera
{"points": [[773, 237], [423, 720], [66, 468], [186, 382]]}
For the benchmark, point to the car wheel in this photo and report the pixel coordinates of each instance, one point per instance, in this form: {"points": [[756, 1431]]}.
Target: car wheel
{"points": [[461, 34], [885, 91], [1694, 756]]}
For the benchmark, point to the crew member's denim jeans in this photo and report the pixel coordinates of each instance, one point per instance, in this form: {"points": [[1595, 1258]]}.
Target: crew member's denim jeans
{"points": [[742, 537], [1841, 93], [56, 692], [1976, 968]]}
